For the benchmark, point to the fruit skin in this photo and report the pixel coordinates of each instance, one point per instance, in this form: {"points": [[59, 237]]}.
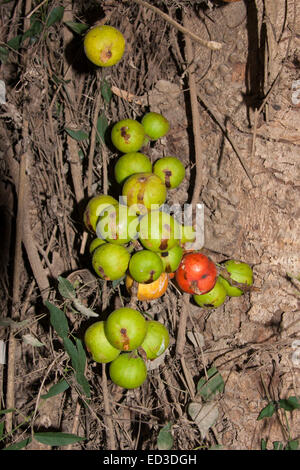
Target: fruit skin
{"points": [[159, 231], [148, 292], [104, 45], [171, 259], [110, 261], [94, 208], [170, 170], [145, 266], [95, 244], [196, 274], [143, 190], [239, 272], [155, 125], [128, 135], [117, 225], [231, 291], [98, 345], [130, 164], [214, 298], [125, 328], [188, 234], [128, 371], [157, 339]]}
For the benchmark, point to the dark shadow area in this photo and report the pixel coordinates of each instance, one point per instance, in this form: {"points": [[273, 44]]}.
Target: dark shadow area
{"points": [[255, 60]]}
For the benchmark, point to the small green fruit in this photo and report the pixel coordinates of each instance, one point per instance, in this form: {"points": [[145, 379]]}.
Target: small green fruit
{"points": [[94, 208], [125, 329], [170, 170], [155, 125], [128, 371], [104, 45], [117, 225], [159, 231], [214, 298], [128, 135], [157, 339], [239, 272], [231, 291], [95, 244], [98, 345], [188, 234], [110, 261], [145, 266], [171, 258], [130, 164], [144, 190]]}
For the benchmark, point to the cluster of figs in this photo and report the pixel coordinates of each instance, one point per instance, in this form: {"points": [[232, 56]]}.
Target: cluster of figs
{"points": [[137, 240]]}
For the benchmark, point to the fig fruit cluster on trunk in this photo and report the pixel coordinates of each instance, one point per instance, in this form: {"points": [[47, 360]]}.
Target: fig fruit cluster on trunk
{"points": [[139, 242]]}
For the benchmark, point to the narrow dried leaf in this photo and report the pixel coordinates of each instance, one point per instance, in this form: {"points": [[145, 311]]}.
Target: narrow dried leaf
{"points": [[29, 339]]}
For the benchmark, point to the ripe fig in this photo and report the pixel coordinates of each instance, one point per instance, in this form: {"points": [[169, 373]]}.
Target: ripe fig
{"points": [[151, 291], [128, 135], [155, 125], [94, 208], [214, 298], [117, 224], [159, 231], [104, 45], [98, 345], [143, 190], [125, 328], [110, 261], [130, 164], [145, 266], [196, 274], [170, 170]]}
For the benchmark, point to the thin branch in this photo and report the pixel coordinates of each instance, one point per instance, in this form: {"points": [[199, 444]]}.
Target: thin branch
{"points": [[209, 44]]}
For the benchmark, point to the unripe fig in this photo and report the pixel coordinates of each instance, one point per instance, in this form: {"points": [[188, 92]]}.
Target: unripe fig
{"points": [[110, 261], [159, 231], [156, 340], [95, 244], [240, 273], [125, 328], [171, 258], [231, 291], [130, 164], [117, 225], [144, 190], [214, 298], [170, 170], [145, 266], [188, 234], [104, 45], [155, 125], [98, 345], [94, 208], [128, 135], [128, 371]]}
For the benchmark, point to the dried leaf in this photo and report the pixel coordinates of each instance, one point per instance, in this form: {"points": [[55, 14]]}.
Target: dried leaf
{"points": [[29, 339], [204, 416]]}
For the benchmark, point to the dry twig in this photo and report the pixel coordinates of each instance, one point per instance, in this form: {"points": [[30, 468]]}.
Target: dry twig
{"points": [[213, 45]]}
